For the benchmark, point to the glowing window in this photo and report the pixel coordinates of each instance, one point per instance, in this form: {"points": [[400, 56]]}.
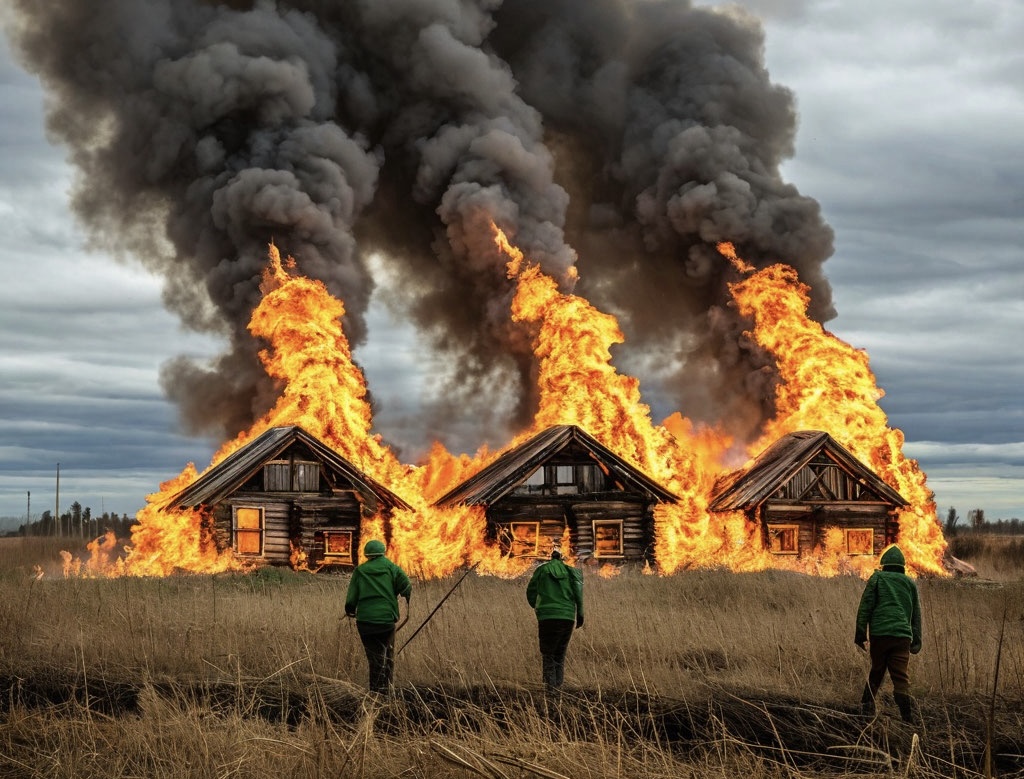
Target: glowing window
{"points": [[524, 539], [248, 531], [784, 539], [608, 538], [860, 540], [338, 544]]}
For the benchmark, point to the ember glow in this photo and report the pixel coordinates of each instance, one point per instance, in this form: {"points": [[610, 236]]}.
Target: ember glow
{"points": [[823, 384]]}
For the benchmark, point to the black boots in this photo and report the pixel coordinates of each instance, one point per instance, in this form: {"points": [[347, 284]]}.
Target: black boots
{"points": [[904, 701], [867, 702], [908, 708]]}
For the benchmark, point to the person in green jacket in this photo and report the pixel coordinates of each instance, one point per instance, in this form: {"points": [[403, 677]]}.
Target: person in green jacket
{"points": [[555, 593], [372, 598], [889, 618]]}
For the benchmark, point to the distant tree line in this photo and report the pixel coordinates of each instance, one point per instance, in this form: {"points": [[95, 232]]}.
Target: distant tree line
{"points": [[977, 523], [77, 522]]}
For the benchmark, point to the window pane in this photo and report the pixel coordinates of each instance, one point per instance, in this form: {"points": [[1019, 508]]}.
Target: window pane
{"points": [[607, 538], [338, 543], [590, 478], [247, 518], [248, 541], [860, 541], [784, 539], [248, 530], [787, 540], [536, 478], [565, 475], [524, 538]]}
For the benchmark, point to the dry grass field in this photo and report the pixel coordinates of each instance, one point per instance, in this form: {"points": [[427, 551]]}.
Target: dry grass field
{"points": [[702, 674]]}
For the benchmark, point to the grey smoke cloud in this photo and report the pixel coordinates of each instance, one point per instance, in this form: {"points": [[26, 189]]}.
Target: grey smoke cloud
{"points": [[622, 138]]}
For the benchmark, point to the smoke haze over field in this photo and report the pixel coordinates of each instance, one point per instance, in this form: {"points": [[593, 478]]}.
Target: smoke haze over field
{"points": [[624, 139]]}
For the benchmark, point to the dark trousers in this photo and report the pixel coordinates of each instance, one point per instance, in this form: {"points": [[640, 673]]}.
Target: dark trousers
{"points": [[379, 645], [893, 655], [554, 635]]}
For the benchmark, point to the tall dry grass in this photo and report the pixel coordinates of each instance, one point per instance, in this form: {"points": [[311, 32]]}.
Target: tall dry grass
{"points": [[995, 557], [258, 674]]}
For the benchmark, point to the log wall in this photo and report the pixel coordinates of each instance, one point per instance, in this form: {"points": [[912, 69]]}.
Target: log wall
{"points": [[815, 520], [290, 519], [555, 516], [637, 528]]}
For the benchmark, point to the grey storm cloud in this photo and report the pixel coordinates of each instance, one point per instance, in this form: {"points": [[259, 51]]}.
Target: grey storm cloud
{"points": [[622, 139]]}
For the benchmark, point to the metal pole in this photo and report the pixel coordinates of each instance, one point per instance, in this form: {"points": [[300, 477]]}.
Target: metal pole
{"points": [[440, 603]]}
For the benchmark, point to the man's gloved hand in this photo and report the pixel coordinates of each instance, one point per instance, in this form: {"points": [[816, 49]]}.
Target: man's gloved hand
{"points": [[579, 620], [915, 648], [349, 612], [860, 639]]}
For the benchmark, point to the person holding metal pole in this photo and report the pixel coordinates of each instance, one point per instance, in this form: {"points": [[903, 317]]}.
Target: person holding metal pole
{"points": [[372, 598], [889, 620], [555, 593]]}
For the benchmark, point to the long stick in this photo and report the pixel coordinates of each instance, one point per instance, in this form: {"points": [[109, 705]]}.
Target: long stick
{"points": [[440, 603]]}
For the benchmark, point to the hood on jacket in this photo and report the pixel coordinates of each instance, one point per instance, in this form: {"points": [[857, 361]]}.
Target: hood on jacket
{"points": [[556, 568], [374, 548], [893, 556]]}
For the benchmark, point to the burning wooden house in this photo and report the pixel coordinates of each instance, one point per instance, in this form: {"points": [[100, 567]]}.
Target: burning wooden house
{"points": [[563, 482], [805, 485], [285, 496]]}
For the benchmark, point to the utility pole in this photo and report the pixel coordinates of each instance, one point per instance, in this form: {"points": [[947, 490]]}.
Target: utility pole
{"points": [[56, 507], [28, 512]]}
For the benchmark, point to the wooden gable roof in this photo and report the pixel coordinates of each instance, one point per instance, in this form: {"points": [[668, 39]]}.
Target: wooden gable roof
{"points": [[747, 488], [220, 481], [516, 465]]}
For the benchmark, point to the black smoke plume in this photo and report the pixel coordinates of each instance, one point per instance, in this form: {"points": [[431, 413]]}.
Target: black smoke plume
{"points": [[623, 138]]}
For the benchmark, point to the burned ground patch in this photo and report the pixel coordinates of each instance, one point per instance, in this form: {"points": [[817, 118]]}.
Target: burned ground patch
{"points": [[953, 734]]}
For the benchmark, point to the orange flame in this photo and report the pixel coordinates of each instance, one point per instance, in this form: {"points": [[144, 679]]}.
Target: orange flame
{"points": [[825, 384], [578, 385]]}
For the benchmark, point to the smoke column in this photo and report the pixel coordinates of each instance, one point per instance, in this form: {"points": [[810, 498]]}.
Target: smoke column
{"points": [[619, 139]]}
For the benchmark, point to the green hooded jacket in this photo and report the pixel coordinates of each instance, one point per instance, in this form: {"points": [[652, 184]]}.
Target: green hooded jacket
{"points": [[373, 591], [889, 605], [555, 591]]}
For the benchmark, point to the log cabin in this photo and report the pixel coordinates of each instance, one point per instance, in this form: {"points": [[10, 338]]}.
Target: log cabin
{"points": [[287, 498], [805, 484], [564, 482]]}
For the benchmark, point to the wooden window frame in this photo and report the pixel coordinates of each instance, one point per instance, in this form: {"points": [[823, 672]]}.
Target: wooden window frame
{"points": [[551, 479], [512, 540], [846, 540], [330, 556], [236, 530], [554, 484], [613, 523], [775, 529]]}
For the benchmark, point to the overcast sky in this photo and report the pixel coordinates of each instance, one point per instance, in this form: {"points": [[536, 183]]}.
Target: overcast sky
{"points": [[910, 120]]}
